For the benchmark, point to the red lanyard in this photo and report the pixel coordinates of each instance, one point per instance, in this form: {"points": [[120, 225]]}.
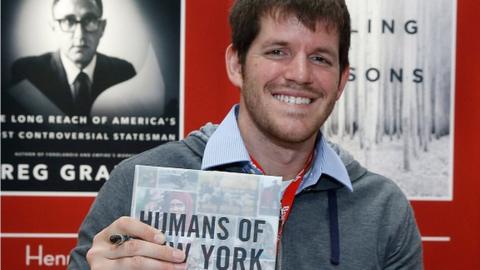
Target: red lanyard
{"points": [[289, 194]]}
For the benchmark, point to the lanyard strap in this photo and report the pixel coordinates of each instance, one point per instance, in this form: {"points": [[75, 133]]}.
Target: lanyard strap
{"points": [[289, 194]]}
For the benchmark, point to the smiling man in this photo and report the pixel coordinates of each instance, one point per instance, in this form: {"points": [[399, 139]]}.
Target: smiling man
{"points": [[72, 77], [289, 58], [289, 80]]}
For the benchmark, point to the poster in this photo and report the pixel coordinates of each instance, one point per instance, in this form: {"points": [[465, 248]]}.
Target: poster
{"points": [[53, 142], [396, 113]]}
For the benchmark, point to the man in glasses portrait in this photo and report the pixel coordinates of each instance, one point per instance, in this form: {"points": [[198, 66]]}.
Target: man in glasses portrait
{"points": [[75, 75]]}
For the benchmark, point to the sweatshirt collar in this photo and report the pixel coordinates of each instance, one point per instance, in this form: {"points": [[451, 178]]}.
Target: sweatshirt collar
{"points": [[226, 146]]}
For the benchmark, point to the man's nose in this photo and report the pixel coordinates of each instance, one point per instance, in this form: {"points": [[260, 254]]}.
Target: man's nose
{"points": [[299, 70], [78, 31]]}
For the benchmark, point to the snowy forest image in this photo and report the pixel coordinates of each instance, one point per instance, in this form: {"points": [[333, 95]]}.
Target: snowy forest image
{"points": [[395, 116]]}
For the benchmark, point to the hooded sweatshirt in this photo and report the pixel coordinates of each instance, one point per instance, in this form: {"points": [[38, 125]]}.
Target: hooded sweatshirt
{"points": [[329, 227]]}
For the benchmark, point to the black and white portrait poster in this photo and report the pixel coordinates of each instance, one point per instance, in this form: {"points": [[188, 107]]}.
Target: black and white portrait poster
{"points": [[86, 84], [396, 113]]}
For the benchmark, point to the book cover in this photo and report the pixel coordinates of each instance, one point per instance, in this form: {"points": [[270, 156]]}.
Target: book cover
{"points": [[221, 220], [396, 115]]}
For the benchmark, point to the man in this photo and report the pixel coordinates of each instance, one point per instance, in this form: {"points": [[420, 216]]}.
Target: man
{"points": [[290, 60], [74, 76]]}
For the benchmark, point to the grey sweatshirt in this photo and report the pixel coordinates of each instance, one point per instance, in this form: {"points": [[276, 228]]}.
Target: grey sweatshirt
{"points": [[329, 227]]}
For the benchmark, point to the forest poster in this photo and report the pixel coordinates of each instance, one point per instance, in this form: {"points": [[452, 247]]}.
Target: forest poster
{"points": [[396, 113]]}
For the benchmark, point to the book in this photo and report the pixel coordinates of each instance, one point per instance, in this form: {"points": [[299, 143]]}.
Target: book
{"points": [[221, 220]]}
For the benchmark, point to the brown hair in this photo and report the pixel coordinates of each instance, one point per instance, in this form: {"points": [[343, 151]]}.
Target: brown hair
{"points": [[245, 17]]}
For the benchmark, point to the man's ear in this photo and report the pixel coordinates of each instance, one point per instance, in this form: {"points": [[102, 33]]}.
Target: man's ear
{"points": [[234, 67], [103, 24], [343, 81]]}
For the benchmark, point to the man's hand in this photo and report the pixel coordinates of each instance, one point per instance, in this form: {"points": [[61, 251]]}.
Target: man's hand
{"points": [[146, 251]]}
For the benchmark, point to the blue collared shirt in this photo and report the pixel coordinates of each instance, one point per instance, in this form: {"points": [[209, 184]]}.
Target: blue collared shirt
{"points": [[226, 146]]}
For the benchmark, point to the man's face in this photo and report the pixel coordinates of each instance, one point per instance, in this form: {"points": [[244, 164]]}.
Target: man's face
{"points": [[79, 45], [177, 206], [290, 81]]}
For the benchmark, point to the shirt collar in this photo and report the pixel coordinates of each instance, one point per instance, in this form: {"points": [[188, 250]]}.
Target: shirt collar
{"points": [[72, 71], [326, 161], [227, 136]]}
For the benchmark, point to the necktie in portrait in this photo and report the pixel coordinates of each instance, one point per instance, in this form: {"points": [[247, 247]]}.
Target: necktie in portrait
{"points": [[81, 94]]}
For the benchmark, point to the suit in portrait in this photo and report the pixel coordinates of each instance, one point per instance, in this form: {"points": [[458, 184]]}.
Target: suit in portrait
{"points": [[48, 75]]}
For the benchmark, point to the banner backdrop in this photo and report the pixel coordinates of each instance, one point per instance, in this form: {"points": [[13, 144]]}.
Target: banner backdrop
{"points": [[47, 145], [38, 229]]}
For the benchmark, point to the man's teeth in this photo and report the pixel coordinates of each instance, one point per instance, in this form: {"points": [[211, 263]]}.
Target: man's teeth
{"points": [[293, 100]]}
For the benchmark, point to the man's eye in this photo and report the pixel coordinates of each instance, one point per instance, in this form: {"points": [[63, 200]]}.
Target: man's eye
{"points": [[69, 21], [320, 59], [276, 52], [87, 20]]}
